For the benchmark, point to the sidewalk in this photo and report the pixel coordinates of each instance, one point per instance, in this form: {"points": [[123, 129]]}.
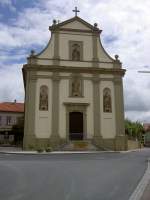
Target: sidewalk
{"points": [[146, 194]]}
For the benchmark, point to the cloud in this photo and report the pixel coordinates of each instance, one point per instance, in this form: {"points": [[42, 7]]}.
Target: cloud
{"points": [[12, 83], [8, 4]]}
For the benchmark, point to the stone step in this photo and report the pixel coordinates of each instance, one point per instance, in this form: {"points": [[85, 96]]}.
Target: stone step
{"points": [[79, 146]]}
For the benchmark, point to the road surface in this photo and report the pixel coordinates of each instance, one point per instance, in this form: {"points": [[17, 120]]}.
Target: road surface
{"points": [[98, 176]]}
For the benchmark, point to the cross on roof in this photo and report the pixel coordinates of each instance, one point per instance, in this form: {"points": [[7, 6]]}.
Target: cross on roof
{"points": [[76, 11]]}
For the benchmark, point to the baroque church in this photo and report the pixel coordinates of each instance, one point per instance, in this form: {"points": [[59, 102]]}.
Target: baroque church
{"points": [[74, 90]]}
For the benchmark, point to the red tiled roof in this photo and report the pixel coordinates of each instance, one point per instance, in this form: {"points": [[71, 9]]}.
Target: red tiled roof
{"points": [[11, 107]]}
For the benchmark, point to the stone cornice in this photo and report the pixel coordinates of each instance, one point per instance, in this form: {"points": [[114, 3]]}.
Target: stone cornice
{"points": [[60, 59], [75, 104], [91, 70], [96, 32]]}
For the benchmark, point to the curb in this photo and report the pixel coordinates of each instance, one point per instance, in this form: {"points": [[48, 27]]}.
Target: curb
{"points": [[139, 191], [55, 152], [65, 152]]}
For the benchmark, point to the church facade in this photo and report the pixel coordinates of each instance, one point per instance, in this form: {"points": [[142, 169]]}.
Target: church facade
{"points": [[73, 90]]}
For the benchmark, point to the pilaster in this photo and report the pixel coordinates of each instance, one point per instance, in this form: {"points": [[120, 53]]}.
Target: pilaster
{"points": [[95, 50], [55, 106], [96, 106], [56, 48], [30, 95], [119, 105]]}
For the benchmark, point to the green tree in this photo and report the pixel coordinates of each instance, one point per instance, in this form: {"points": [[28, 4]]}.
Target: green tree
{"points": [[134, 130]]}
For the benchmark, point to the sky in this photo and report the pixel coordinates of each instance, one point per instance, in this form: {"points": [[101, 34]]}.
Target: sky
{"points": [[126, 32]]}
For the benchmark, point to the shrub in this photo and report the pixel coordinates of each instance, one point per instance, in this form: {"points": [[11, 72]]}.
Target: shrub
{"points": [[48, 149], [31, 147], [39, 150]]}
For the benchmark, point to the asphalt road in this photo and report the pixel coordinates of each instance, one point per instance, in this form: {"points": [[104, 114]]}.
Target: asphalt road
{"points": [[101, 176]]}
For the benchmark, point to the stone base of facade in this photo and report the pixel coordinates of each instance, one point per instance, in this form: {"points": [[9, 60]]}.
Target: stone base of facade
{"points": [[33, 143], [118, 143]]}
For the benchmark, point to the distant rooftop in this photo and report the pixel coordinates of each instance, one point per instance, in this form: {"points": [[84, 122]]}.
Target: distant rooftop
{"points": [[146, 126], [12, 107]]}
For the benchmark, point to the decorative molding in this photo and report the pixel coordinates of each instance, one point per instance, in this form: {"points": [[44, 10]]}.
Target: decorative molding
{"points": [[69, 60], [91, 70], [76, 18], [74, 104], [70, 77], [74, 30]]}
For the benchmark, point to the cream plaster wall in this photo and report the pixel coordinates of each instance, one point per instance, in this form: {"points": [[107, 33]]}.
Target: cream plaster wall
{"points": [[76, 25], [108, 128], [43, 118], [64, 97], [64, 45], [48, 52], [102, 54]]}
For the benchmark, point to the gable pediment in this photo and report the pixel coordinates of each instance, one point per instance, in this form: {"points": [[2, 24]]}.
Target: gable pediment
{"points": [[75, 24]]}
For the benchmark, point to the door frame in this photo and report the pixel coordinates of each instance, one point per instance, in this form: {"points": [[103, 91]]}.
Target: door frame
{"points": [[76, 107]]}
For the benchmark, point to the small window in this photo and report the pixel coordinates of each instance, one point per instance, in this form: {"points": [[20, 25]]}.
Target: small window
{"points": [[8, 120], [43, 103], [107, 105]]}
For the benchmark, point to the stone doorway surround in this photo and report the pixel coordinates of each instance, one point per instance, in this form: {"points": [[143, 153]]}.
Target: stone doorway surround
{"points": [[76, 107]]}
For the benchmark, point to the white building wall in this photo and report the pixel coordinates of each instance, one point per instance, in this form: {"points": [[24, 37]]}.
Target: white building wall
{"points": [[64, 97], [108, 128], [43, 118], [102, 54]]}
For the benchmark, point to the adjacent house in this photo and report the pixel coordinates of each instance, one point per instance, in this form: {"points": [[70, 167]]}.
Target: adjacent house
{"points": [[10, 113]]}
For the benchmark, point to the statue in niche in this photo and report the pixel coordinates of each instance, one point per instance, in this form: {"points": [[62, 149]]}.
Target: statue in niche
{"points": [[107, 100], [43, 105], [76, 87], [76, 52]]}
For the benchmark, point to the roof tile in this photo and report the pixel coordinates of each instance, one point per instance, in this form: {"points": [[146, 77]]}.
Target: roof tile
{"points": [[11, 107]]}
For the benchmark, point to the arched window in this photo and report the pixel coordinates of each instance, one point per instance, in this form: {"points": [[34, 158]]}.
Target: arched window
{"points": [[107, 105], [43, 103], [76, 52]]}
